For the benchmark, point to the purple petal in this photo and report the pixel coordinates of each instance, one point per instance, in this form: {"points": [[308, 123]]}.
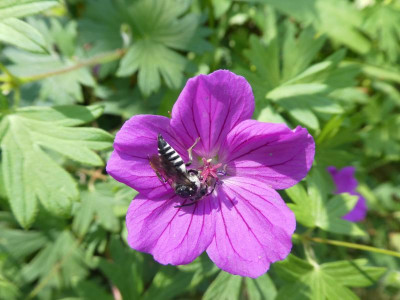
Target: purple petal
{"points": [[359, 211], [172, 235], [344, 179], [133, 145], [346, 182], [209, 107], [253, 228], [271, 153]]}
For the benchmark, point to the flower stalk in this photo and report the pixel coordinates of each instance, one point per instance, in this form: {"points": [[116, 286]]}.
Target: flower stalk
{"points": [[99, 59], [346, 244]]}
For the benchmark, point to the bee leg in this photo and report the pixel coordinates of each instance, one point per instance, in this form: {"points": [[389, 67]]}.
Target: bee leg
{"points": [[160, 178], [190, 152], [213, 188]]}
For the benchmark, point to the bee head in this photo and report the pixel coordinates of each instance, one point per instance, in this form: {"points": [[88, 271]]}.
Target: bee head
{"points": [[186, 191]]}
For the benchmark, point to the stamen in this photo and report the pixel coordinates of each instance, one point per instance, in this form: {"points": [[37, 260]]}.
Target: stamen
{"points": [[209, 170]]}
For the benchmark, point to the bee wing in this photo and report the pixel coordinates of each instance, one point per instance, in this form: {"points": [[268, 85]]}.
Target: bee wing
{"points": [[167, 172]]}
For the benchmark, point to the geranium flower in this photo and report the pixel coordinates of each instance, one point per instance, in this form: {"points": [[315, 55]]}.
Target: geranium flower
{"points": [[244, 225], [346, 183]]}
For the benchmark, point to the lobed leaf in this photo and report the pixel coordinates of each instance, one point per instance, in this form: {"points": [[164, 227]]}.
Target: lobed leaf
{"points": [[22, 8], [30, 174], [309, 280], [224, 287]]}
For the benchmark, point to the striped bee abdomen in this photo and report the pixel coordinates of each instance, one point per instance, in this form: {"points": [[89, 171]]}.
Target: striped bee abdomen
{"points": [[168, 153]]}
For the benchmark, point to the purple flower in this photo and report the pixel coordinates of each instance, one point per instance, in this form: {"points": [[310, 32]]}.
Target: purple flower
{"points": [[244, 225], [346, 183]]}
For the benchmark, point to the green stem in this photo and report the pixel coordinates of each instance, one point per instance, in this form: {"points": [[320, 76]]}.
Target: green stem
{"points": [[5, 70], [211, 17], [346, 244], [99, 59]]}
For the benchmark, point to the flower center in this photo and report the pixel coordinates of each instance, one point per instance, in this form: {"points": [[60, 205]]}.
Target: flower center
{"points": [[210, 173]]}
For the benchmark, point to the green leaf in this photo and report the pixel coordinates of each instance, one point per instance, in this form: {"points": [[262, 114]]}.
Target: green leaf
{"points": [[61, 53], [125, 271], [313, 208], [383, 23], [300, 112], [152, 60], [22, 8], [21, 34], [168, 283], [202, 267], [309, 280], [339, 19], [353, 273], [286, 91], [303, 208], [89, 290], [286, 76], [330, 220], [60, 262], [98, 203], [260, 288], [380, 72], [8, 289], [30, 174], [19, 244], [298, 53], [293, 268], [224, 287], [84, 217], [63, 115], [268, 114], [154, 31]]}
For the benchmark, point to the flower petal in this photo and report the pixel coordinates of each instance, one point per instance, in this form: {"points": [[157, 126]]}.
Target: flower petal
{"points": [[253, 228], [209, 107], [270, 153], [346, 182], [359, 211], [133, 145], [344, 179], [172, 235]]}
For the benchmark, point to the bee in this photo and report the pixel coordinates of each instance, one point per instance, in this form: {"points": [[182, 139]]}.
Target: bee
{"points": [[170, 168]]}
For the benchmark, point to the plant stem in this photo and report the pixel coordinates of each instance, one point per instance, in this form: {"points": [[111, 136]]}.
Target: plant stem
{"points": [[346, 244], [99, 59]]}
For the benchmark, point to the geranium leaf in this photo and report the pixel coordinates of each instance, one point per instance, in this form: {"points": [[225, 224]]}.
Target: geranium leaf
{"points": [[90, 290], [20, 243], [125, 269], [22, 35], [353, 273], [61, 261], [282, 72], [260, 288], [22, 8], [157, 28], [340, 20], [224, 287], [313, 208], [61, 53], [309, 280], [30, 173]]}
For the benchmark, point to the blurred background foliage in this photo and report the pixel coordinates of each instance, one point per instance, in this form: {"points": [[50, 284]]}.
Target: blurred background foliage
{"points": [[72, 71]]}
